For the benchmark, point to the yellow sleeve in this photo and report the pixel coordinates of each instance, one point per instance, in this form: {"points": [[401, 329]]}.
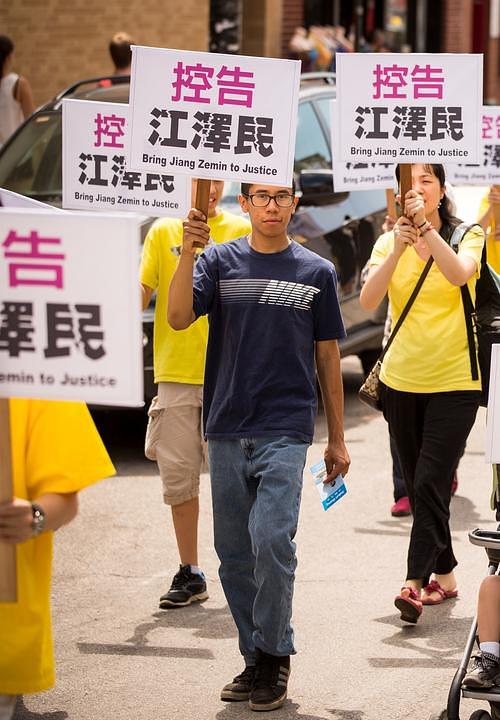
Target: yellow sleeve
{"points": [[64, 451], [472, 246], [382, 248], [149, 271]]}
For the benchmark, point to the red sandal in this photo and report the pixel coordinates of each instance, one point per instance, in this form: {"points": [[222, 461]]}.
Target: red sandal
{"points": [[434, 586], [409, 605]]}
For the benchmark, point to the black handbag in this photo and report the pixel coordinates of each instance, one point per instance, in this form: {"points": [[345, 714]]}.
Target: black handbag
{"points": [[369, 392]]}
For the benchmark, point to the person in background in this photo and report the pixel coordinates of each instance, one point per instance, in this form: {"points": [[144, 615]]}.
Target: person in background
{"points": [[486, 218], [56, 451], [174, 437], [485, 670], [121, 53], [428, 396], [16, 97]]}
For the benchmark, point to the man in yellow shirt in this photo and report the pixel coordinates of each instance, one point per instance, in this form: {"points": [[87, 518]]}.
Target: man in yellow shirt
{"points": [[56, 451], [174, 436], [486, 218]]}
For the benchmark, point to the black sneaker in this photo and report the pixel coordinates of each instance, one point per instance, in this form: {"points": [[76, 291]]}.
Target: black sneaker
{"points": [[485, 672], [270, 682], [186, 588], [241, 686]]}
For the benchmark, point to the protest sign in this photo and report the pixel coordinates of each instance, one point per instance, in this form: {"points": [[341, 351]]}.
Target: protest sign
{"points": [[214, 116], [409, 107], [487, 171], [357, 174], [492, 454], [96, 175], [70, 318], [10, 199]]}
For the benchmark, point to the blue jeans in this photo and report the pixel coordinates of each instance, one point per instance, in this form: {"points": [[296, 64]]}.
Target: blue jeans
{"points": [[256, 490]]}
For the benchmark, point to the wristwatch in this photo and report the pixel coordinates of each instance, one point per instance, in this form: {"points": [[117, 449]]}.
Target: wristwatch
{"points": [[38, 522]]}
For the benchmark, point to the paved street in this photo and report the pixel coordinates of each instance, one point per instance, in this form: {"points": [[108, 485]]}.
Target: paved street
{"points": [[118, 656]]}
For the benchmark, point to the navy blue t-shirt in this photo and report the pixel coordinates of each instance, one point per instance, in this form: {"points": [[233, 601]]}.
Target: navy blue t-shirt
{"points": [[265, 311]]}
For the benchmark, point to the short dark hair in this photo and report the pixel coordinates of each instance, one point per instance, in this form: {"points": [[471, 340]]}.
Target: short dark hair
{"points": [[119, 49], [245, 188]]}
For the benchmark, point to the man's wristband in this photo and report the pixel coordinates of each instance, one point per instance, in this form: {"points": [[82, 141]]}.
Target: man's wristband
{"points": [[422, 225]]}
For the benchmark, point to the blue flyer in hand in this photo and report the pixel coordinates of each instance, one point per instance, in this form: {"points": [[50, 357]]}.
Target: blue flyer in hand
{"points": [[328, 492]]}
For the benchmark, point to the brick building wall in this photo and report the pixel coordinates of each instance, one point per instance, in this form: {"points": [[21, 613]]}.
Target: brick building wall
{"points": [[293, 16], [457, 26], [261, 27], [58, 42]]}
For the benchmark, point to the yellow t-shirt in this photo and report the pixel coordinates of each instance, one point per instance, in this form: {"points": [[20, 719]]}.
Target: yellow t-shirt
{"points": [[430, 352], [55, 449], [492, 243], [179, 355]]}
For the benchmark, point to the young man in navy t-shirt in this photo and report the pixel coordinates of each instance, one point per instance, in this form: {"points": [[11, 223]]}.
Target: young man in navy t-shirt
{"points": [[274, 319]]}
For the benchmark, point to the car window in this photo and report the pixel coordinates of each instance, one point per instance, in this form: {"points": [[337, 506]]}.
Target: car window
{"points": [[31, 164], [323, 106], [311, 148]]}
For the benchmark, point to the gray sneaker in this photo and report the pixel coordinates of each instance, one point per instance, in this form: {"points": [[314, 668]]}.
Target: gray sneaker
{"points": [[485, 672], [241, 686]]}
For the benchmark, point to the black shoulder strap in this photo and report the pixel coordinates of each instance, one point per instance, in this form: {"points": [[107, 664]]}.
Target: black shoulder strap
{"points": [[469, 309], [408, 305]]}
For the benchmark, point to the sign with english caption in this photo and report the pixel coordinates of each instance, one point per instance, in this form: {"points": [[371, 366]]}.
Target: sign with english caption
{"points": [[358, 174], [409, 108], [70, 317], [96, 174], [487, 171], [214, 116]]}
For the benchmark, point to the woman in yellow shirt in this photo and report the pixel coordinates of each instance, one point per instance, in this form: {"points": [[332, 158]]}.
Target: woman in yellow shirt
{"points": [[56, 451], [486, 218], [428, 395]]}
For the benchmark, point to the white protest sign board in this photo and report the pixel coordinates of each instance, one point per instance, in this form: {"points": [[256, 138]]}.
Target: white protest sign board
{"points": [[96, 175], [409, 107], [10, 199], [492, 454], [214, 116], [70, 318], [357, 174], [487, 172]]}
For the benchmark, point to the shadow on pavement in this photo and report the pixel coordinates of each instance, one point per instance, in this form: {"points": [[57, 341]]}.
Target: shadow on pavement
{"points": [[22, 713], [289, 711], [215, 623], [445, 635]]}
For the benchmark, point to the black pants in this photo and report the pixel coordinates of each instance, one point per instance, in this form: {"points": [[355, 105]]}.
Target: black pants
{"points": [[430, 431]]}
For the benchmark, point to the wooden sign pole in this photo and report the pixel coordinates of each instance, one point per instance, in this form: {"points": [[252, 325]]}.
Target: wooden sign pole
{"points": [[8, 578], [202, 199], [391, 203], [405, 182]]}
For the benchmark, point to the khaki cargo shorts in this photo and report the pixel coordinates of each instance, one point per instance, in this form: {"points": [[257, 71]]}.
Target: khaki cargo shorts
{"points": [[174, 439]]}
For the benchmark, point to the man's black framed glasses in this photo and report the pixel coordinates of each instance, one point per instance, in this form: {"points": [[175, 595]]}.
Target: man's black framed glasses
{"points": [[261, 200]]}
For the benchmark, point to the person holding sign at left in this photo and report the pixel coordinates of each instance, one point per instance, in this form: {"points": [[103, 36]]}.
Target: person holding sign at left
{"points": [[56, 451], [174, 437]]}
